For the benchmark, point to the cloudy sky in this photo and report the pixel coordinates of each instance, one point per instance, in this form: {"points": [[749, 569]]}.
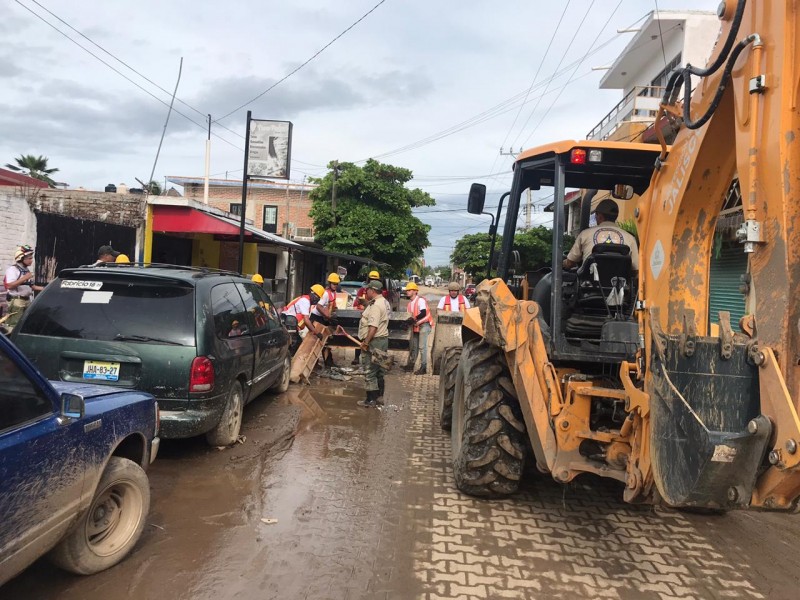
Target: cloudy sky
{"points": [[434, 86]]}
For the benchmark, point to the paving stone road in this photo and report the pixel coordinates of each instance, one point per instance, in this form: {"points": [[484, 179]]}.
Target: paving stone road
{"points": [[360, 504]]}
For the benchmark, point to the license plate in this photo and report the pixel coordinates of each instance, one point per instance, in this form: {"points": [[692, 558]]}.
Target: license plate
{"points": [[96, 369]]}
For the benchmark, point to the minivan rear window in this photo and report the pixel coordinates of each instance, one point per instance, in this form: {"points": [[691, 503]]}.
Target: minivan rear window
{"points": [[147, 311]]}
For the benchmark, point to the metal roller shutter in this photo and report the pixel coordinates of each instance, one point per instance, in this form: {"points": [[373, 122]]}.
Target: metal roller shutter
{"points": [[724, 283]]}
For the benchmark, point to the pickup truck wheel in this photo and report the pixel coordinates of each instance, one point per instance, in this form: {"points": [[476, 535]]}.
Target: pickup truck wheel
{"points": [[230, 423], [113, 524], [283, 383], [447, 385], [488, 430]]}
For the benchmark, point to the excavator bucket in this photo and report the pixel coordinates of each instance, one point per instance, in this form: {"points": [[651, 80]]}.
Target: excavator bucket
{"points": [[446, 334], [708, 436]]}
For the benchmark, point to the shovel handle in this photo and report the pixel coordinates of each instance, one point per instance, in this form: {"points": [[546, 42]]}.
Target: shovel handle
{"points": [[340, 330]]}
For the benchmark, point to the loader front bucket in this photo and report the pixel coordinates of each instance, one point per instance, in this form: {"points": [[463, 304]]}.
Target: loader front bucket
{"points": [[446, 334], [702, 450]]}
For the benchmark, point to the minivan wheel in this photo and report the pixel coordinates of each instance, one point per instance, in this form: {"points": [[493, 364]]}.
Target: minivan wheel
{"points": [[230, 422], [283, 383]]}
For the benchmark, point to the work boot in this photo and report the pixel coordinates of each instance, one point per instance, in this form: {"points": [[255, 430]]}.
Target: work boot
{"points": [[371, 400], [421, 371], [381, 388]]}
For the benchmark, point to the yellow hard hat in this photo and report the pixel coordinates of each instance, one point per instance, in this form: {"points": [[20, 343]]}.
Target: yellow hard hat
{"points": [[122, 258], [374, 275], [258, 279], [334, 278], [411, 286], [318, 290]]}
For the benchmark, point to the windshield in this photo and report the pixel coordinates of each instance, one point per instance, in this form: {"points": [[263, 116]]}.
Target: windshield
{"points": [[146, 311]]}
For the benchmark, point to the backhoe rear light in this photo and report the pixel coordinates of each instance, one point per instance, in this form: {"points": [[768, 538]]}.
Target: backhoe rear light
{"points": [[201, 378], [578, 156], [595, 155]]}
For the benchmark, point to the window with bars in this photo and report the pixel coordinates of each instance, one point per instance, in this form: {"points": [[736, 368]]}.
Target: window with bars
{"points": [[270, 219], [235, 209]]}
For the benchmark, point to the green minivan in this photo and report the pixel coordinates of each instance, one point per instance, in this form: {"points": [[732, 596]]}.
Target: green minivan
{"points": [[203, 342]]}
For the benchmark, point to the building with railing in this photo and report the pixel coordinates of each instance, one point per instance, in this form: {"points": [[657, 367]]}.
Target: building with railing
{"points": [[664, 41]]}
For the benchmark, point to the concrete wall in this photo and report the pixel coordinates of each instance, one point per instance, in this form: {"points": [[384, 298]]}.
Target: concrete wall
{"points": [[17, 223], [127, 210]]}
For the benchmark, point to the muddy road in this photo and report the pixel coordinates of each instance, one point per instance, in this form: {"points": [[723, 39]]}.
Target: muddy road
{"points": [[325, 499]]}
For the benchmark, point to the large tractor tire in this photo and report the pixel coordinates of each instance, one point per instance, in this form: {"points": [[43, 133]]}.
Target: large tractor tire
{"points": [[488, 432], [447, 385]]}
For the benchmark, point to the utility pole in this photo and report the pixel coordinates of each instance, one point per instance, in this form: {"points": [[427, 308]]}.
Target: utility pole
{"points": [[528, 211], [333, 190], [208, 162]]}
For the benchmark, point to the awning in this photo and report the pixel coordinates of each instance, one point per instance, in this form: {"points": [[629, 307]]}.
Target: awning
{"points": [[184, 219]]}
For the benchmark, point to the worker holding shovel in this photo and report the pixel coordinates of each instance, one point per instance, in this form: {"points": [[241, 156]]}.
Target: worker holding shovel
{"points": [[373, 329]]}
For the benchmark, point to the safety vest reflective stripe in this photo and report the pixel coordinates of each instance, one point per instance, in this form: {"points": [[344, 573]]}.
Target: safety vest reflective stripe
{"points": [[413, 308], [461, 302]]}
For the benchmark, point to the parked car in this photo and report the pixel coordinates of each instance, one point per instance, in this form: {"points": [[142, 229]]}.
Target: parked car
{"points": [[73, 459], [471, 292], [429, 281], [203, 342]]}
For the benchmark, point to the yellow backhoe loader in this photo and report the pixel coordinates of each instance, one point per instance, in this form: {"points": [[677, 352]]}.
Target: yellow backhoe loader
{"points": [[619, 373]]}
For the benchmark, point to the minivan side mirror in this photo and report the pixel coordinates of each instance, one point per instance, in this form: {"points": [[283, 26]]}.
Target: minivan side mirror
{"points": [[477, 196], [72, 406]]}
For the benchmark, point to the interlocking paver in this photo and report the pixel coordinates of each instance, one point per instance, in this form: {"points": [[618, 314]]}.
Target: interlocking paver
{"points": [[555, 541]]}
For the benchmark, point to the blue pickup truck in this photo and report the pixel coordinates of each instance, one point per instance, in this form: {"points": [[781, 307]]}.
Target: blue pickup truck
{"points": [[72, 469]]}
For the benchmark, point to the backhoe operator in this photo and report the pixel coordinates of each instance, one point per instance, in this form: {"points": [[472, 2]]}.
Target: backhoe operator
{"points": [[605, 232]]}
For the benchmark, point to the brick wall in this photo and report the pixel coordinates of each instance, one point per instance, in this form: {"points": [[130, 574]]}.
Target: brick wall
{"points": [[17, 224], [294, 203], [117, 209]]}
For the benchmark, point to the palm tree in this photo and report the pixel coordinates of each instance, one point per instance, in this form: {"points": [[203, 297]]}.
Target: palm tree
{"points": [[34, 166]]}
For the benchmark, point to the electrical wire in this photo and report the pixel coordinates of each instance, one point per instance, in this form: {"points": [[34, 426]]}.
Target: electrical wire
{"points": [[295, 70], [121, 74], [608, 20], [661, 37], [563, 56]]}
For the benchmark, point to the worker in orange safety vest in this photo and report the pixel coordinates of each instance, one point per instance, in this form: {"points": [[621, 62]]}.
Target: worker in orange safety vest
{"points": [[454, 300], [421, 323]]}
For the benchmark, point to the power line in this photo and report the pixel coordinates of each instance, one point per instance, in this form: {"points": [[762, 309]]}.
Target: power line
{"points": [[563, 56], [661, 37], [608, 20], [121, 74], [315, 55]]}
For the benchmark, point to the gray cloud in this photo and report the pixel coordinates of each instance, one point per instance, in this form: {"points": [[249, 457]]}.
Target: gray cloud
{"points": [[313, 91], [8, 69]]}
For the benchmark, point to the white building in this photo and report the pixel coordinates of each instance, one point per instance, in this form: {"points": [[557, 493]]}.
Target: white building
{"points": [[642, 68]]}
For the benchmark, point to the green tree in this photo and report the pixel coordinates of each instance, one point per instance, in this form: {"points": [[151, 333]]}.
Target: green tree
{"points": [[535, 247], [373, 213], [34, 166], [471, 253], [443, 271]]}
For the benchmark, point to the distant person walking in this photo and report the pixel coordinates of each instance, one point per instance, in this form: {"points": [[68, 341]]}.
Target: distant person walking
{"points": [[19, 285], [421, 327], [373, 330]]}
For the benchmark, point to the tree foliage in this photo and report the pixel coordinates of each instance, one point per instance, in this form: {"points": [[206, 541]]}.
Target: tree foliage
{"points": [[34, 166], [471, 253], [535, 247], [373, 213]]}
